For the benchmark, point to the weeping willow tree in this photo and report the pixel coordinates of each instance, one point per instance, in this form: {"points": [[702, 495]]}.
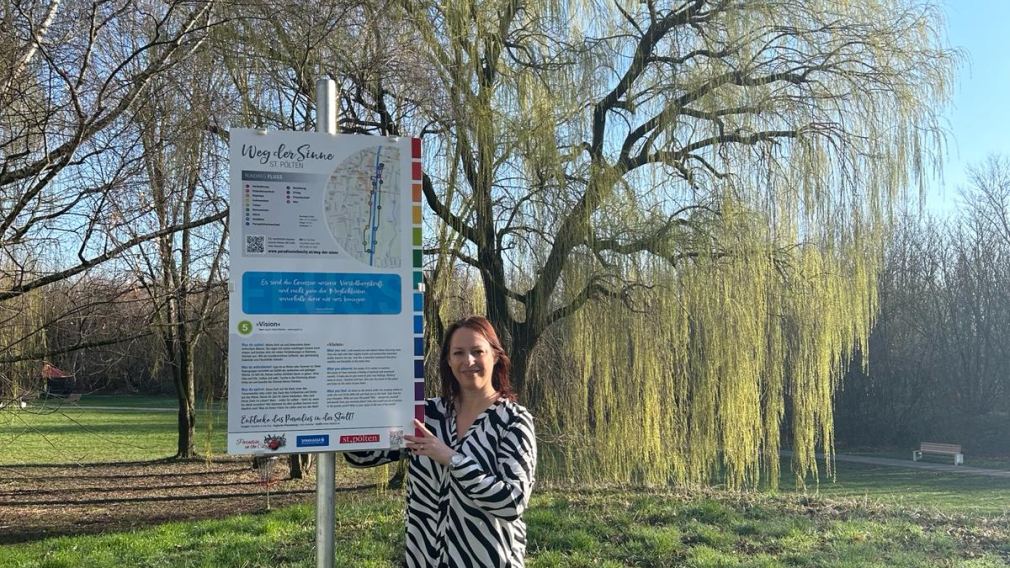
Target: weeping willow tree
{"points": [[693, 383], [688, 196], [692, 195]]}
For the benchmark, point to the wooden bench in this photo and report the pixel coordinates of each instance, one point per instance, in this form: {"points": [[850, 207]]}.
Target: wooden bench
{"points": [[941, 449]]}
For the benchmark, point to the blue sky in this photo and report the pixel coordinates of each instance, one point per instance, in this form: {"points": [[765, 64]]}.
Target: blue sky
{"points": [[979, 117]]}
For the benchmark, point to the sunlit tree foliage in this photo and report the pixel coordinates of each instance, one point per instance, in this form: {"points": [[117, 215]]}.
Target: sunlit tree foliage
{"points": [[696, 191]]}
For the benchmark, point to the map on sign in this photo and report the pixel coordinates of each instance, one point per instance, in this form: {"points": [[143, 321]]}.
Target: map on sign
{"points": [[363, 206]]}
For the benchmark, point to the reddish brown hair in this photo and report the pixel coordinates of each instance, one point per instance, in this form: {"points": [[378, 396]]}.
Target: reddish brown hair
{"points": [[503, 365]]}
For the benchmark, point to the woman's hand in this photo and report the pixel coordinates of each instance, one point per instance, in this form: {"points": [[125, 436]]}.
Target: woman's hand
{"points": [[427, 444]]}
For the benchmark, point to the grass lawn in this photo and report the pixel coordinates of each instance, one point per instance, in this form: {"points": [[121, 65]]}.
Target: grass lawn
{"points": [[950, 493], [970, 460], [600, 528], [142, 401], [369, 530], [872, 516], [47, 433]]}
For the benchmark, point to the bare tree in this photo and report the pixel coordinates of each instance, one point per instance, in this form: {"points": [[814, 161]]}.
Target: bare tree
{"points": [[988, 195], [184, 170], [72, 70], [938, 365]]}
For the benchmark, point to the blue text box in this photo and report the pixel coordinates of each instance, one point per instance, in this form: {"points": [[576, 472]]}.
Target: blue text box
{"points": [[320, 293]]}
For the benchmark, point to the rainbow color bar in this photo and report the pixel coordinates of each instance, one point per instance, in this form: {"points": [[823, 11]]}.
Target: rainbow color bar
{"points": [[418, 262]]}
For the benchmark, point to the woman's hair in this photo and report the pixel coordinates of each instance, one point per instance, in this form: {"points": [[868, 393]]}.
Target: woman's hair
{"points": [[500, 373]]}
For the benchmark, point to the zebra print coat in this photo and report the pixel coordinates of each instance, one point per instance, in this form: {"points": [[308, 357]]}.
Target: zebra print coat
{"points": [[470, 514]]}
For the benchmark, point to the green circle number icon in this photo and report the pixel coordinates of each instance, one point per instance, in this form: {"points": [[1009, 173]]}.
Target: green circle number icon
{"points": [[245, 327]]}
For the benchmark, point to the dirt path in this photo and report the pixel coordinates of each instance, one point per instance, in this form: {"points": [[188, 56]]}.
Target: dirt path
{"points": [[42, 501]]}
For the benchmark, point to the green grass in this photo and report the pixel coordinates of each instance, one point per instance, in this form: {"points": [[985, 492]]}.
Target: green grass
{"points": [[49, 434], [952, 493], [599, 528], [369, 533], [903, 454], [141, 401], [871, 516], [657, 529]]}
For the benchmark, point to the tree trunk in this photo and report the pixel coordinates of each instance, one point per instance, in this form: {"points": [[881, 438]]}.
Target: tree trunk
{"points": [[186, 434], [185, 381], [299, 465], [520, 353], [187, 414], [518, 339]]}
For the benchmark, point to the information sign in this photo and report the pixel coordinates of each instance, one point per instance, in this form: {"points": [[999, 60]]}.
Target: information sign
{"points": [[325, 313]]}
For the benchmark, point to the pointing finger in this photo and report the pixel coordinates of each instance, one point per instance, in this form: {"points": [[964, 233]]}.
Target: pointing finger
{"points": [[420, 429]]}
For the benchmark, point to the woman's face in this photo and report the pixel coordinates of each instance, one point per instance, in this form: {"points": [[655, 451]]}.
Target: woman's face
{"points": [[472, 361]]}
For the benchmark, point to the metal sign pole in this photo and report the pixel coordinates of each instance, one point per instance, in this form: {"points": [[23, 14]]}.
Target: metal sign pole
{"points": [[326, 121]]}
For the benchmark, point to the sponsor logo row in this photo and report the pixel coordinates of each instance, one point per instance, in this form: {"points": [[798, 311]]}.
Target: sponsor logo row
{"points": [[277, 442]]}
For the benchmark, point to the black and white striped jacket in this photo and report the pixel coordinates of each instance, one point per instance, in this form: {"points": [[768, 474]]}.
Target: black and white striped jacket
{"points": [[469, 514]]}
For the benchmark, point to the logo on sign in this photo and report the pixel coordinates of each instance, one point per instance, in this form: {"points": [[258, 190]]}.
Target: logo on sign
{"points": [[248, 444], [312, 441], [359, 439], [275, 442]]}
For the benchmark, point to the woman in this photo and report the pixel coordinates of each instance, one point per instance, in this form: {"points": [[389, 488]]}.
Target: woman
{"points": [[472, 466]]}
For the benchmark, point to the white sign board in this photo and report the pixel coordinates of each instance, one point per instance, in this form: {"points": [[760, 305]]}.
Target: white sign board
{"points": [[325, 313]]}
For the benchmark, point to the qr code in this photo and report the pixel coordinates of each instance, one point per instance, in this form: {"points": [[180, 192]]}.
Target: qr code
{"points": [[395, 438], [255, 244]]}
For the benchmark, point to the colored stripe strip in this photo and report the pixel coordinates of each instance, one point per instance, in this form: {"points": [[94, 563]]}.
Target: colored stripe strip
{"points": [[418, 368], [417, 193], [415, 148], [418, 301], [417, 258], [417, 214], [418, 415], [418, 324], [419, 347], [419, 390]]}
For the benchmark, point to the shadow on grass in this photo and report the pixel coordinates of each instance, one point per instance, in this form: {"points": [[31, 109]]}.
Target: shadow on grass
{"points": [[91, 489], [128, 464], [39, 501]]}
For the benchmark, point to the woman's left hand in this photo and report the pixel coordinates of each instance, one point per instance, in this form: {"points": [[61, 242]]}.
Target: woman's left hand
{"points": [[427, 444]]}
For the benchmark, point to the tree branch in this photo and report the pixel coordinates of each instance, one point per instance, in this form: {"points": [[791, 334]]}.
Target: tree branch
{"points": [[112, 253], [443, 212]]}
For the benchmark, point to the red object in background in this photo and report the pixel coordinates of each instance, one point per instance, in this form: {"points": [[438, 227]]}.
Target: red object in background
{"points": [[58, 382], [50, 371]]}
